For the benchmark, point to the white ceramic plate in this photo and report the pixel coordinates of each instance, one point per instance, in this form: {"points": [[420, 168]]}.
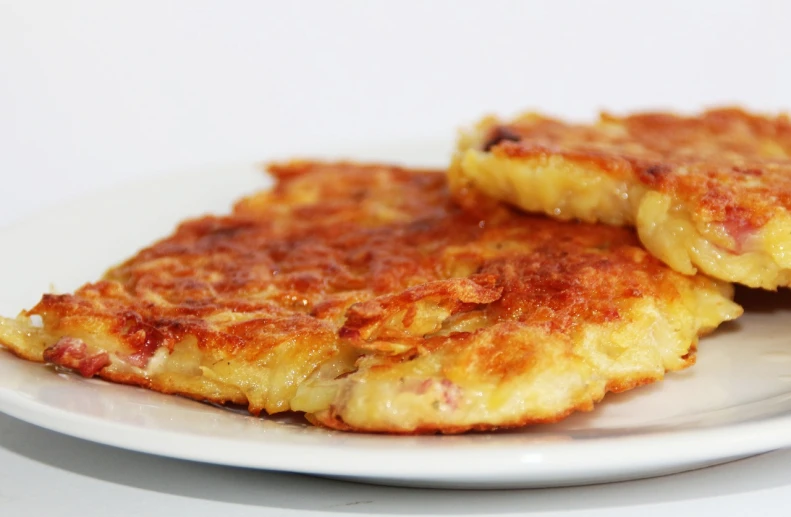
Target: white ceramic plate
{"points": [[735, 402]]}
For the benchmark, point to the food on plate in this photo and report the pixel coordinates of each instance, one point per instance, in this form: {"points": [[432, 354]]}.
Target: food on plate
{"points": [[708, 193], [365, 297]]}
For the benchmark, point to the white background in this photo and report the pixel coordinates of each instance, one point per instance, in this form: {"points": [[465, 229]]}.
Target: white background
{"points": [[93, 93], [96, 94]]}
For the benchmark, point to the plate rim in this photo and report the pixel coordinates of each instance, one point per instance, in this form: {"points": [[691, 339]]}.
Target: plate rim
{"points": [[551, 464], [600, 458]]}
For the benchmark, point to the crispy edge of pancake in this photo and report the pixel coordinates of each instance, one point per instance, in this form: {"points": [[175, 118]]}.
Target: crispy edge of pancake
{"points": [[202, 375], [607, 185]]}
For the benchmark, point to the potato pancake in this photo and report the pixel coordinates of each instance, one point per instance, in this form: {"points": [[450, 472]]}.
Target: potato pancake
{"points": [[710, 192], [365, 297]]}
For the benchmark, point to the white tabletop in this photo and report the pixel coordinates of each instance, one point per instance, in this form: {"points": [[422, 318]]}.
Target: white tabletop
{"points": [[95, 95]]}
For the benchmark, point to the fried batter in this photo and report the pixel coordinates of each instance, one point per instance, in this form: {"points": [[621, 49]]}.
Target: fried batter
{"points": [[363, 296], [710, 192]]}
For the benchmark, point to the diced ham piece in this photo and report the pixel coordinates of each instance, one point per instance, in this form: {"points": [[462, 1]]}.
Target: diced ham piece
{"points": [[73, 353], [450, 392], [91, 365], [741, 228]]}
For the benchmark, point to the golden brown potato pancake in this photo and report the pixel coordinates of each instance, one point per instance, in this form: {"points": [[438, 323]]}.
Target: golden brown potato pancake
{"points": [[710, 192], [363, 296]]}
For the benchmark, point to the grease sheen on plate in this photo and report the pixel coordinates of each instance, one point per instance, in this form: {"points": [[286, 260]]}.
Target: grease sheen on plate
{"points": [[733, 403]]}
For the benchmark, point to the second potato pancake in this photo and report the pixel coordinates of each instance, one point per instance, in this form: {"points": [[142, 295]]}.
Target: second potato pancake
{"points": [[710, 192]]}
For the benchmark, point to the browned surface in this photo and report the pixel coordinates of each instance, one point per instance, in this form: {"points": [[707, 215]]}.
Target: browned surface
{"points": [[346, 255], [294, 266], [369, 232], [727, 166]]}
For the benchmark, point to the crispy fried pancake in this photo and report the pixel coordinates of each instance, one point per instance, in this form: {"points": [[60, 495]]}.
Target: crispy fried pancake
{"points": [[710, 192], [361, 295]]}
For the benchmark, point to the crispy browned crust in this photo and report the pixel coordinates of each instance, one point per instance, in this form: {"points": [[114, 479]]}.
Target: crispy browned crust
{"points": [[297, 266], [281, 255], [729, 167], [340, 257]]}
